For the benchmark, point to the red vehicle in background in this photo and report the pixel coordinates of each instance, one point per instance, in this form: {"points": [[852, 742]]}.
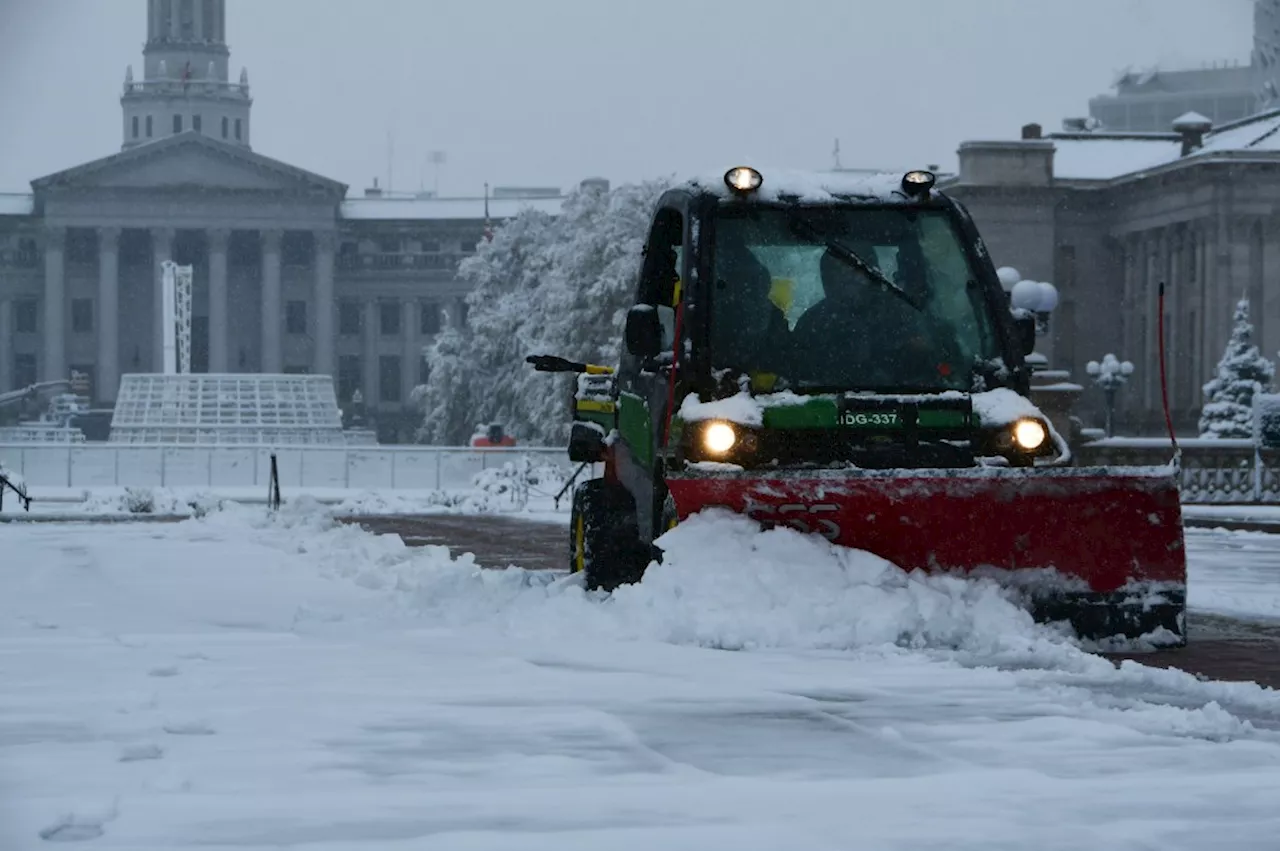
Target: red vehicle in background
{"points": [[490, 436]]}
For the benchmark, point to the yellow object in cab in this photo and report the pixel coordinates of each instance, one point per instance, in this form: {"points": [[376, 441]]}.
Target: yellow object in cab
{"points": [[782, 293]]}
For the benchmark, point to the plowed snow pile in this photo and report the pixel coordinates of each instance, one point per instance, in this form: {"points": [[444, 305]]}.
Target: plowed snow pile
{"points": [[723, 584], [726, 584]]}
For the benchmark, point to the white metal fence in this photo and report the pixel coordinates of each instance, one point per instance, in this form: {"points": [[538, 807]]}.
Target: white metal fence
{"points": [[358, 467]]}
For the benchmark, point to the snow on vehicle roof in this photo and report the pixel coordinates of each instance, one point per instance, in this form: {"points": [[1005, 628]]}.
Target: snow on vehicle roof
{"points": [[810, 187]]}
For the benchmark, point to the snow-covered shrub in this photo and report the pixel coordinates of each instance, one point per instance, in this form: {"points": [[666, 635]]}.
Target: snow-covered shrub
{"points": [[545, 285], [139, 500], [136, 500], [1228, 408], [515, 481]]}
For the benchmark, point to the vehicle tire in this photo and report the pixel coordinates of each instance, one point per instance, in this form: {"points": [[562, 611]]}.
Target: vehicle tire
{"points": [[604, 540], [667, 520], [669, 517]]}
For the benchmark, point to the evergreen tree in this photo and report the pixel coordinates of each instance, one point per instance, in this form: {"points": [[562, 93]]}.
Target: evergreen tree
{"points": [[1228, 410]]}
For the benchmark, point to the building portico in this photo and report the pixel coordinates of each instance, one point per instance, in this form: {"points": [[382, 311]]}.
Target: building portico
{"points": [[240, 218]]}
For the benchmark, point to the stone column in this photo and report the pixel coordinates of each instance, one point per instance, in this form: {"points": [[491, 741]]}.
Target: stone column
{"points": [[324, 340], [197, 12], [1150, 282], [412, 348], [372, 398], [272, 327], [54, 366], [219, 326], [6, 345], [107, 381]]}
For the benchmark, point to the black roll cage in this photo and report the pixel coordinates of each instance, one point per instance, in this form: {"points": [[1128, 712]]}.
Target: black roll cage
{"points": [[700, 210]]}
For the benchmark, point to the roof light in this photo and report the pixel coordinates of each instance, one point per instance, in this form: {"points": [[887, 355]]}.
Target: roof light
{"points": [[743, 179], [918, 182]]}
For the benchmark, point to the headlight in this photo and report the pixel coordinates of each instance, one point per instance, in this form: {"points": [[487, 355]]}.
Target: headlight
{"points": [[1029, 435], [719, 438]]}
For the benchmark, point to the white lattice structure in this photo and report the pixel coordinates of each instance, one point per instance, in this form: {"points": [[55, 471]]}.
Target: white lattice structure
{"points": [[211, 409], [175, 309]]}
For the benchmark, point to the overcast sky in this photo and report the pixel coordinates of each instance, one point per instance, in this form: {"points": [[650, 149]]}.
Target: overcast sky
{"points": [[546, 92]]}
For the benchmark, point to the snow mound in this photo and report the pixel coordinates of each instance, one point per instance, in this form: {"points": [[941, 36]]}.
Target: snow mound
{"points": [[723, 583]]}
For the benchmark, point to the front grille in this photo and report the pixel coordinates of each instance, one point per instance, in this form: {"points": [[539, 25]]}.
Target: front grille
{"points": [[799, 447]]}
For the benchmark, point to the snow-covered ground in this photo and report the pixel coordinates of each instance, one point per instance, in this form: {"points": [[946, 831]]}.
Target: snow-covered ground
{"points": [[241, 683], [1234, 573], [1256, 513]]}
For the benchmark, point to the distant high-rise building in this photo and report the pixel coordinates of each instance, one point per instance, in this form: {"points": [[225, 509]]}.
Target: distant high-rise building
{"points": [[1266, 49], [1151, 100]]}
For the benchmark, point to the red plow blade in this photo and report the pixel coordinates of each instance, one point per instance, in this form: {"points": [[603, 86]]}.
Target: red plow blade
{"points": [[1115, 536]]}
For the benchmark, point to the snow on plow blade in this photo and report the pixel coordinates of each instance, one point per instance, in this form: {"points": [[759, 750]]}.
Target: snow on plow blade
{"points": [[1100, 547]]}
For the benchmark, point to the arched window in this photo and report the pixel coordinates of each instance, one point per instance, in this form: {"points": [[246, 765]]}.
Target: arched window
{"points": [[135, 127], [148, 126], [225, 124], [177, 124]]}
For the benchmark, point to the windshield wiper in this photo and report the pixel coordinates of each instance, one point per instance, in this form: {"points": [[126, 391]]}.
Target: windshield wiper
{"points": [[849, 256]]}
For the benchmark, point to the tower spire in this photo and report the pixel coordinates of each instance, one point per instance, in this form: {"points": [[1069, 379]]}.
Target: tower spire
{"points": [[185, 84]]}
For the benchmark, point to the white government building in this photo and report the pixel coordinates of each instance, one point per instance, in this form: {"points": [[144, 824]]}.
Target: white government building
{"points": [[292, 274]]}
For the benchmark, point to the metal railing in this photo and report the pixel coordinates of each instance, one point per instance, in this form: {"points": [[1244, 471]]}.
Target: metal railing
{"points": [[1214, 472], [407, 262], [96, 465], [179, 86]]}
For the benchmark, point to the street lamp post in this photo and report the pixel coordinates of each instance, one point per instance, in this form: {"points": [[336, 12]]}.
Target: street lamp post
{"points": [[1111, 374], [1039, 298]]}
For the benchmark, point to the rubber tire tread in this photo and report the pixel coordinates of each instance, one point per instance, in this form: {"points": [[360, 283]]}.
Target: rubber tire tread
{"points": [[613, 554]]}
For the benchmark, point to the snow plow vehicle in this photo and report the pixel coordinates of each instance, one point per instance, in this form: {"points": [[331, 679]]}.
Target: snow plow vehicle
{"points": [[836, 354]]}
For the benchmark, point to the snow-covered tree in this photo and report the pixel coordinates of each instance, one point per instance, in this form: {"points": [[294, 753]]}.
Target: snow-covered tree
{"points": [[1228, 409], [545, 285]]}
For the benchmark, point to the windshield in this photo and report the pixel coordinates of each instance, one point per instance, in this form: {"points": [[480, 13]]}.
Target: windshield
{"points": [[870, 298]]}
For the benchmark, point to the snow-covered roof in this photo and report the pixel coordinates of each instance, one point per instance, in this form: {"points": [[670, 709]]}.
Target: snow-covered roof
{"points": [[1079, 157], [1251, 134], [393, 209], [810, 186], [1110, 156], [16, 204]]}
